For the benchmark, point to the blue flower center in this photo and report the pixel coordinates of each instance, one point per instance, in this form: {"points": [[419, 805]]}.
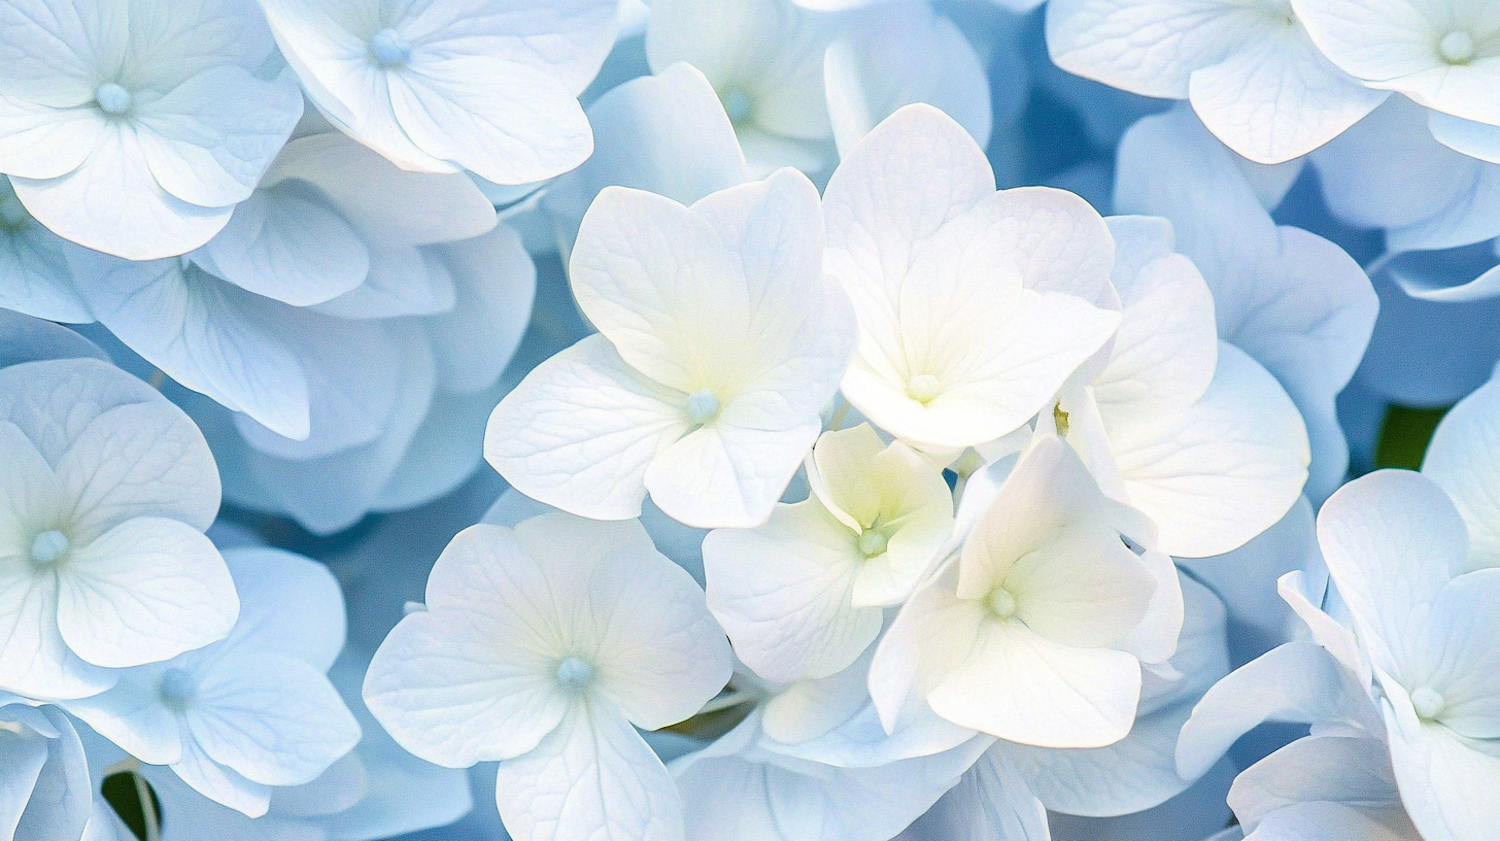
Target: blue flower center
{"points": [[389, 48], [113, 99]]}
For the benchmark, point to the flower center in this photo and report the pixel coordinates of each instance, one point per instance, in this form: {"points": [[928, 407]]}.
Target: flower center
{"points": [[113, 99], [574, 673], [1457, 47], [1002, 603], [922, 388], [177, 689], [872, 543], [1428, 702], [738, 105], [48, 546], [702, 406], [389, 48]]}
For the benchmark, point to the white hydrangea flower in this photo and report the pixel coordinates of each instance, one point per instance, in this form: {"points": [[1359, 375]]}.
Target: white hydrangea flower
{"points": [[397, 422], [44, 776], [451, 84], [541, 646], [1295, 302], [253, 711], [1444, 54], [331, 217], [802, 596], [1191, 431], [720, 342], [290, 368], [974, 306], [105, 494], [802, 86], [1036, 630], [130, 131], [1249, 69], [1397, 549]]}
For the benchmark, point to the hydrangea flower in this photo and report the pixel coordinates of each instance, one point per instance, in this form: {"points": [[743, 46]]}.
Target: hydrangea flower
{"points": [[34, 275], [802, 596], [720, 342], [1030, 633], [1251, 72], [540, 646], [974, 306], [103, 501], [1463, 460], [1188, 429], [445, 85], [1397, 550], [256, 710], [288, 368], [1295, 302], [801, 87], [1441, 53], [126, 131]]}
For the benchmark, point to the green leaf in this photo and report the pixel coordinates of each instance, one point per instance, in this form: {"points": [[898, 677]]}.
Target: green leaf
{"points": [[122, 792], [1404, 435]]}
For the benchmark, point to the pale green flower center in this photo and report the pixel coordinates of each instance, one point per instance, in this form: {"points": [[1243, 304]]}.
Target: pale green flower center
{"points": [[177, 689], [1428, 702], [1457, 47], [113, 99], [48, 546], [1002, 603], [922, 388], [702, 406]]}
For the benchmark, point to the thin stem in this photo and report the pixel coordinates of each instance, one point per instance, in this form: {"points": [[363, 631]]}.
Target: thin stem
{"points": [[148, 808]]}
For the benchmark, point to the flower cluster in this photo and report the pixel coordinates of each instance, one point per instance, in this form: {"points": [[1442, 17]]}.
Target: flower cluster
{"points": [[902, 421]]}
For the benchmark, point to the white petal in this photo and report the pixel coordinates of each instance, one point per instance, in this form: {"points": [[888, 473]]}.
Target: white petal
{"points": [[287, 243], [207, 335], [453, 109], [579, 33], [1444, 780], [1477, 140], [271, 718], [120, 449], [496, 282], [387, 205], [1459, 654], [782, 592], [131, 715], [1149, 48], [1391, 540], [1136, 773], [37, 280], [661, 656], [144, 591], [665, 133], [580, 431], [289, 605], [1223, 470], [992, 802], [1296, 682], [1164, 354], [403, 280], [45, 143], [220, 784], [1393, 44], [1458, 459], [353, 399], [464, 681], [728, 474], [1355, 771], [209, 140], [594, 777], [1294, 301], [903, 54], [1072, 697], [738, 792], [112, 203], [1277, 98]]}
